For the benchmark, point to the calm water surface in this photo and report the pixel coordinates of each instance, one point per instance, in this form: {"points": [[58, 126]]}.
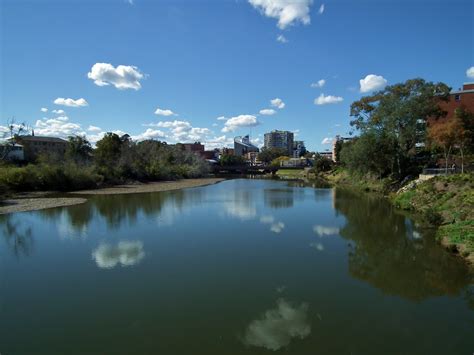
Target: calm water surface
{"points": [[241, 267]]}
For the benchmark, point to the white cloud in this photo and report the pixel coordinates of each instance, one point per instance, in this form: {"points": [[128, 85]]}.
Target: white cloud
{"points": [[286, 11], [325, 100], [108, 256], [57, 127], [218, 142], [282, 39], [149, 134], [318, 84], [161, 112], [44, 109], [372, 82], [267, 112], [237, 122], [323, 230], [326, 140], [71, 102], [278, 103], [59, 112], [183, 131], [122, 77], [321, 9], [221, 118], [470, 73], [276, 327], [94, 129]]}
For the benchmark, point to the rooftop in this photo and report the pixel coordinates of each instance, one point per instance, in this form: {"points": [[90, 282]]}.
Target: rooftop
{"points": [[42, 139]]}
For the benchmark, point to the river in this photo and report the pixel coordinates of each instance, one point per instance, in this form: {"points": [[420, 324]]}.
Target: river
{"points": [[241, 267]]}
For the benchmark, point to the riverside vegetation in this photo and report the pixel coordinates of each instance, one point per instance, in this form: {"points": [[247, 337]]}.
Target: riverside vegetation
{"points": [[115, 160], [387, 154]]}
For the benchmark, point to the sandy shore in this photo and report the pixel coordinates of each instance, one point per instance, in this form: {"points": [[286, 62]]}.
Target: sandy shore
{"points": [[38, 203], [150, 187], [38, 200]]}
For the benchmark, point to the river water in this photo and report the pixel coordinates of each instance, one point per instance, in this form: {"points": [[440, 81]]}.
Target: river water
{"points": [[241, 267]]}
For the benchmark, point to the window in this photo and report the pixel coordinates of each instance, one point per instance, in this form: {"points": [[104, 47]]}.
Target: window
{"points": [[457, 97]]}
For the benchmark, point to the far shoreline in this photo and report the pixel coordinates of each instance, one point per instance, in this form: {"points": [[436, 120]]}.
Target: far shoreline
{"points": [[39, 200]]}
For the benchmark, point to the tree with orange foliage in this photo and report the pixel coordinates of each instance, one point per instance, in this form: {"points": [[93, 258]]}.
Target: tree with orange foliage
{"points": [[465, 135], [442, 133], [457, 132]]}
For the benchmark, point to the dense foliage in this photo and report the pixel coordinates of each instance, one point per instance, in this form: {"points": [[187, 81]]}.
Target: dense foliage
{"points": [[391, 123], [231, 160], [115, 160], [267, 155]]}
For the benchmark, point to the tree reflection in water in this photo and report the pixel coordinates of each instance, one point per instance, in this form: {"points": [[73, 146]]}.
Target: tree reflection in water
{"points": [[19, 238], [391, 255], [119, 209]]}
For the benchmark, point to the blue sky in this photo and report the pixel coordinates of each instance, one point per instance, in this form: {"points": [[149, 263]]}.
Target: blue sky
{"points": [[216, 58]]}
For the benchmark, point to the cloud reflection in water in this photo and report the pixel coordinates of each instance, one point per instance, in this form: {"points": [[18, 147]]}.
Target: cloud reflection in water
{"points": [[324, 230], [276, 328], [125, 253], [317, 246], [275, 227]]}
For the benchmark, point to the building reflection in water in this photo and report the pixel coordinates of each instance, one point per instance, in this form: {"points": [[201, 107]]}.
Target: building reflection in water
{"points": [[280, 197], [241, 205], [278, 326]]}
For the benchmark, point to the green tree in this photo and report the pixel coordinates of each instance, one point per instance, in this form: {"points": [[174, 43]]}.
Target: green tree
{"points": [[231, 160], [78, 149], [107, 155], [369, 153], [267, 155], [397, 115]]}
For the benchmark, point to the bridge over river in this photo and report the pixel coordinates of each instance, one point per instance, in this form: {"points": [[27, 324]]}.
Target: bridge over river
{"points": [[249, 169]]}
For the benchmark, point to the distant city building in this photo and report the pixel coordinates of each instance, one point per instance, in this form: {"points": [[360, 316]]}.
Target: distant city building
{"points": [[242, 146], [210, 154], [195, 147], [12, 152], [298, 149], [462, 98], [252, 157], [279, 139], [327, 155], [294, 163], [227, 151], [33, 146]]}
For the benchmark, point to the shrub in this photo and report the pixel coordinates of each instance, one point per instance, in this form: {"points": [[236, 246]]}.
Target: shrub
{"points": [[433, 217]]}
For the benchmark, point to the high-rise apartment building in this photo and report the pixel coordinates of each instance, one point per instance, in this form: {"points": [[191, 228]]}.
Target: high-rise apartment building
{"points": [[279, 139]]}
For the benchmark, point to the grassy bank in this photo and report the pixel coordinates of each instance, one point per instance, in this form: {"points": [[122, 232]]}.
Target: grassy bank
{"points": [[290, 174], [447, 202], [342, 177]]}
